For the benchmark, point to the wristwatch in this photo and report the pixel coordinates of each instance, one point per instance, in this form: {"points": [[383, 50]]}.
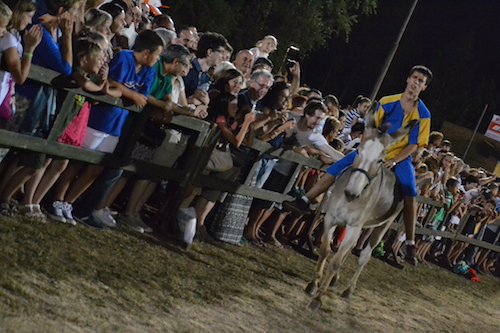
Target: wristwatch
{"points": [[393, 162], [191, 108]]}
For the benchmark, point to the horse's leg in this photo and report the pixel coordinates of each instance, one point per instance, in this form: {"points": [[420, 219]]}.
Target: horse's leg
{"points": [[365, 256], [324, 251], [351, 236]]}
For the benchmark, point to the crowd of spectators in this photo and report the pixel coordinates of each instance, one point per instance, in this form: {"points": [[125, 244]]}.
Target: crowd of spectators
{"points": [[130, 49], [468, 194]]}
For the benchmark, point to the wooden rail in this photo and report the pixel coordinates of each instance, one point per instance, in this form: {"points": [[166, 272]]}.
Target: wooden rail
{"points": [[204, 138]]}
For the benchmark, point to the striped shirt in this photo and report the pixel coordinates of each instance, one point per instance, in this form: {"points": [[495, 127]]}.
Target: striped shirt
{"points": [[350, 115]]}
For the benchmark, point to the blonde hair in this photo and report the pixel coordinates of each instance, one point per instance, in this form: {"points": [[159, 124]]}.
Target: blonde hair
{"points": [[5, 14], [96, 18], [271, 37]]}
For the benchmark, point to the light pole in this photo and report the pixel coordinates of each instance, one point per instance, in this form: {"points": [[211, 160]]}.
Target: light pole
{"points": [[392, 53]]}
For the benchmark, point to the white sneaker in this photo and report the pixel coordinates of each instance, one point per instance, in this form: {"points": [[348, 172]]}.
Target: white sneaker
{"points": [[104, 217], [67, 210], [129, 221], [111, 213], [56, 211]]}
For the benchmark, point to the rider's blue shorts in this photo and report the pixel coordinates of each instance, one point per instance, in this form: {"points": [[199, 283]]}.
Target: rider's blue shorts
{"points": [[404, 171]]}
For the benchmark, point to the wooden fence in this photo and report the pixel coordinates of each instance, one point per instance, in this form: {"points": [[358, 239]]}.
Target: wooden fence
{"points": [[203, 139]]}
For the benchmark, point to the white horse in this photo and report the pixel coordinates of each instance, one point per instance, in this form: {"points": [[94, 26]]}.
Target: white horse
{"points": [[365, 195]]}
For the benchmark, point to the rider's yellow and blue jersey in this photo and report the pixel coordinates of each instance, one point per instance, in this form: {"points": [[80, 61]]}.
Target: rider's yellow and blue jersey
{"points": [[390, 110]]}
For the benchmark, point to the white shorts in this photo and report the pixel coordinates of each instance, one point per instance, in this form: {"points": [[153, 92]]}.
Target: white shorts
{"points": [[454, 220], [100, 141]]}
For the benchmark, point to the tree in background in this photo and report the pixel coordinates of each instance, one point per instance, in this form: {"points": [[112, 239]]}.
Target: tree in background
{"points": [[307, 24]]}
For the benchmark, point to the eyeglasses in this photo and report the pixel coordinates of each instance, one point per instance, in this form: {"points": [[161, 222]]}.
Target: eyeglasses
{"points": [[183, 63]]}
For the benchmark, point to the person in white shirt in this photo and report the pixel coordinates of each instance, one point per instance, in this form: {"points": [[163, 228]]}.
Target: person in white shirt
{"points": [[305, 134]]}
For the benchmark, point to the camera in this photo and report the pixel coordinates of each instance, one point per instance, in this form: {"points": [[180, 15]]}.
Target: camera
{"points": [[292, 56]]}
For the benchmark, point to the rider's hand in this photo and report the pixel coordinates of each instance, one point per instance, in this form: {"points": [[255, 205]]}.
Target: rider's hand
{"points": [[389, 164]]}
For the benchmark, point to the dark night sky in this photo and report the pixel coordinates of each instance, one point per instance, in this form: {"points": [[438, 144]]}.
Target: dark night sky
{"points": [[457, 39]]}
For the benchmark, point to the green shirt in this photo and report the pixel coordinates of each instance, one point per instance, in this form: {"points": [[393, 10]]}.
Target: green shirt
{"points": [[448, 200], [162, 84]]}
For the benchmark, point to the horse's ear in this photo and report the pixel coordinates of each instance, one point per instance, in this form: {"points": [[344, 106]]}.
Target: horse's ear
{"points": [[403, 131], [370, 115], [383, 128]]}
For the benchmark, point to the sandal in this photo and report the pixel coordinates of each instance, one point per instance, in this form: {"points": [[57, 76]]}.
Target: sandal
{"points": [[39, 214], [8, 209], [256, 242], [275, 243]]}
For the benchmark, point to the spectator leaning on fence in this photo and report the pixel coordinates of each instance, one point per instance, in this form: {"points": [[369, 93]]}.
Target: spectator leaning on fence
{"points": [[236, 127], [173, 62], [131, 73], [37, 100], [305, 134], [16, 56], [314, 113], [90, 72], [359, 108], [231, 215], [209, 54]]}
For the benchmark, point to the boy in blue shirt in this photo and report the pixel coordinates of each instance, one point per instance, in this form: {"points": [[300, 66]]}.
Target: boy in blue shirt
{"points": [[131, 72]]}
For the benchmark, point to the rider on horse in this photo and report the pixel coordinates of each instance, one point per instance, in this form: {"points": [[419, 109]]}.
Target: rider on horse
{"points": [[397, 110]]}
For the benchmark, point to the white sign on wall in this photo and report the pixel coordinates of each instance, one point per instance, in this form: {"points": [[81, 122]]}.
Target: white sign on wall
{"points": [[493, 131]]}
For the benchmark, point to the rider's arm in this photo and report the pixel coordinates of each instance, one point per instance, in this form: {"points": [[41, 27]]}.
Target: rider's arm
{"points": [[404, 153]]}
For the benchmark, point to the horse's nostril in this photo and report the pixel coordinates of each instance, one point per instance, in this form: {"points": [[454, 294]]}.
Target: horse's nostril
{"points": [[349, 196]]}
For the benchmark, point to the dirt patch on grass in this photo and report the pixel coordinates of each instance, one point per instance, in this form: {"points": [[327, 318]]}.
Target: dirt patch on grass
{"points": [[57, 278]]}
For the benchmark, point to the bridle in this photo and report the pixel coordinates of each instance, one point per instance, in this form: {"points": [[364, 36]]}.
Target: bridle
{"points": [[368, 176]]}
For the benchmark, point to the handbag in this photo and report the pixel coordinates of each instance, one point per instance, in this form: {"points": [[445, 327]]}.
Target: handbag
{"points": [[220, 159]]}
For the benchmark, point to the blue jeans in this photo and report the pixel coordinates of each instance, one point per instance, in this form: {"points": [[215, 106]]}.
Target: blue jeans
{"points": [[264, 170], [93, 196]]}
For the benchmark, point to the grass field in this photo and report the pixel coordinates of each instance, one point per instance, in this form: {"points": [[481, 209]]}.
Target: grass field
{"points": [[58, 278]]}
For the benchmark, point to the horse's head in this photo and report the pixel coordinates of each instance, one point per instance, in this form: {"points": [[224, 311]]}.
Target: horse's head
{"points": [[371, 153]]}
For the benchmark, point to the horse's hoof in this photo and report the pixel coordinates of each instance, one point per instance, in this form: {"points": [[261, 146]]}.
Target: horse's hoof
{"points": [[315, 305], [347, 294], [310, 289]]}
